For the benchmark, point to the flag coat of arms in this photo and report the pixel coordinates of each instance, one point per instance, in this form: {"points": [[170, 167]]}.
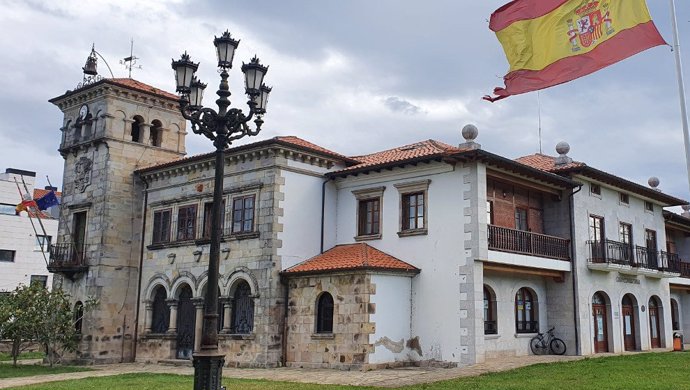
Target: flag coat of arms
{"points": [[550, 42]]}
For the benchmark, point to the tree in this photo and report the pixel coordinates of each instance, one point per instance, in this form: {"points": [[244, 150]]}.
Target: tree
{"points": [[32, 314]]}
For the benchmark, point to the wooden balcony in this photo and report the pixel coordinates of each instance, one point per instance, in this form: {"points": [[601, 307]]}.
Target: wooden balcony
{"points": [[65, 259], [528, 243]]}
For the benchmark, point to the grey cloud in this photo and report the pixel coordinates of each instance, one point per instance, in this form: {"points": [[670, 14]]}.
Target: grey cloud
{"points": [[397, 104]]}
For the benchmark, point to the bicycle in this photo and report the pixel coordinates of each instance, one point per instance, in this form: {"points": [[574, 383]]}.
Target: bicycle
{"points": [[542, 343]]}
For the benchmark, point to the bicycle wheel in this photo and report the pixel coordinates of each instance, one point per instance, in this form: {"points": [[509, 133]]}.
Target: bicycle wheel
{"points": [[538, 346], [557, 346]]}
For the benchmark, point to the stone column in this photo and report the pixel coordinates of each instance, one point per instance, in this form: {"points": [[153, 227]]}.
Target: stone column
{"points": [[149, 316], [145, 133], [172, 326], [227, 310], [198, 321]]}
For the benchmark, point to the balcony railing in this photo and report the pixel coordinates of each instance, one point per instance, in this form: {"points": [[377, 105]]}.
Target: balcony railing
{"points": [[68, 259], [526, 326], [528, 243], [490, 327], [614, 252], [684, 269]]}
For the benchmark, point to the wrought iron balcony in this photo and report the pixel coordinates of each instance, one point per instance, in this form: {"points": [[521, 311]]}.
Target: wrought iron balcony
{"points": [[638, 258], [67, 259], [684, 269], [609, 251], [528, 243]]}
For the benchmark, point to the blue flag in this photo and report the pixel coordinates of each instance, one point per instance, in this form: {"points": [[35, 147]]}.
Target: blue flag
{"points": [[47, 201]]}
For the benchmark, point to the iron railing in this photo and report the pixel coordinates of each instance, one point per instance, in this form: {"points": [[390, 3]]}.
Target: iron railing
{"points": [[67, 258], [615, 252], [609, 251], [490, 327], [684, 269], [527, 326], [519, 241]]}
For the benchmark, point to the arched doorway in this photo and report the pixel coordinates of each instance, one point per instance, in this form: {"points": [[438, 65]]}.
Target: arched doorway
{"points": [[654, 329], [674, 315], [599, 313], [628, 312], [186, 314]]}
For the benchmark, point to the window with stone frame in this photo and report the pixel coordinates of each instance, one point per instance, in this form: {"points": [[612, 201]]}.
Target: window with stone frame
{"points": [[242, 320], [526, 320], [413, 207], [161, 311], [490, 323], [208, 216], [243, 213], [324, 313], [186, 222], [368, 213], [161, 226]]}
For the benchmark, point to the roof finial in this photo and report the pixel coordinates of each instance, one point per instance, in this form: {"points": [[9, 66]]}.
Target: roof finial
{"points": [[470, 133], [562, 148], [654, 183]]}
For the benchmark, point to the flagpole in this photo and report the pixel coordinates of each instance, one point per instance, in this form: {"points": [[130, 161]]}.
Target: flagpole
{"points": [[21, 197], [681, 89]]}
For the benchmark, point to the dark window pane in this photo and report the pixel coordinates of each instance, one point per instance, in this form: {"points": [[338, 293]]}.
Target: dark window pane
{"points": [[242, 310], [324, 314]]}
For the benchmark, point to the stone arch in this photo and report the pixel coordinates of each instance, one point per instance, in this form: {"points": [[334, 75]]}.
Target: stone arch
{"points": [[156, 133], [157, 280], [655, 308], [241, 274], [602, 321], [489, 309], [527, 300], [183, 278], [324, 310], [136, 131], [634, 323]]}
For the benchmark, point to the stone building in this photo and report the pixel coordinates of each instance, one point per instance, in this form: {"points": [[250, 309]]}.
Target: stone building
{"points": [[425, 253]]}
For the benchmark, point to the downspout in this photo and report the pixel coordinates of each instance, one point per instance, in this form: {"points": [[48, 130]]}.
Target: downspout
{"points": [[323, 211], [573, 253], [141, 264]]}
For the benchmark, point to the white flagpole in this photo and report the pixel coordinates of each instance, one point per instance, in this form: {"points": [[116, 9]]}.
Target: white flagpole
{"points": [[681, 89]]}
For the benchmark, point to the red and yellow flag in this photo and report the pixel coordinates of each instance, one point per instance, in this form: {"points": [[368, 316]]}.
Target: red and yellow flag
{"points": [[550, 42]]}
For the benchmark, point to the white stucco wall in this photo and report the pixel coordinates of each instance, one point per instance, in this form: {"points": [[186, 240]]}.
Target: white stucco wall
{"points": [[392, 319], [436, 313]]}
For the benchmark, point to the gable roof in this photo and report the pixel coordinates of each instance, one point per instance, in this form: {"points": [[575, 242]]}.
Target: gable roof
{"points": [[123, 82], [419, 151], [291, 141], [349, 257], [548, 164]]}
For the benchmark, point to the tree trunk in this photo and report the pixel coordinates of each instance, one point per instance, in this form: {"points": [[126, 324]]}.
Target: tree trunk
{"points": [[16, 343]]}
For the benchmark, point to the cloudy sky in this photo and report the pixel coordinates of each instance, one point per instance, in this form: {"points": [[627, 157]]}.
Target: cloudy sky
{"points": [[354, 76]]}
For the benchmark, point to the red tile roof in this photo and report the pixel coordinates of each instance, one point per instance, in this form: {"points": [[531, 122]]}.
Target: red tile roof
{"points": [[547, 163], [296, 141], [412, 152], [351, 257], [138, 85]]}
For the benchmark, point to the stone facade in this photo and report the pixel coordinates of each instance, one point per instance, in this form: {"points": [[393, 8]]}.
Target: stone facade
{"points": [[101, 154]]}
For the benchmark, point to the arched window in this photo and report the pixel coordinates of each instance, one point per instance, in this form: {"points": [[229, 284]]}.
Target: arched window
{"points": [[78, 316], [490, 324], [242, 309], [674, 315], [136, 129], [324, 313], [526, 320], [161, 312], [155, 133]]}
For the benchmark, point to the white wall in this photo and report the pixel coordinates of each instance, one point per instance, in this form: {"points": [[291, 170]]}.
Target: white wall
{"points": [[436, 313], [392, 319]]}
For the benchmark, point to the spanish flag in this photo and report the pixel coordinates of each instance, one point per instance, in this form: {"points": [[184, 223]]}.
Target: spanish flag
{"points": [[550, 42]]}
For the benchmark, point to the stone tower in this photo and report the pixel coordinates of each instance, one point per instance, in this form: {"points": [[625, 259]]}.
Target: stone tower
{"points": [[111, 127]]}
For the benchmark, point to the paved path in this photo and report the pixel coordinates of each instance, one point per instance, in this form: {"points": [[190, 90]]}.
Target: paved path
{"points": [[383, 378]]}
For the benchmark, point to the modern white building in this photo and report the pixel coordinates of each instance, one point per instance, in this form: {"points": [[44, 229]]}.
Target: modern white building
{"points": [[22, 248]]}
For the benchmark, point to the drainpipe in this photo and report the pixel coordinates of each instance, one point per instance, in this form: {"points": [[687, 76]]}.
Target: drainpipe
{"points": [[141, 264], [323, 210], [573, 257]]}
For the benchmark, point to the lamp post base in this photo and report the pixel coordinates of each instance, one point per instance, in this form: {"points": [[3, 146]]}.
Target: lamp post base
{"points": [[208, 370]]}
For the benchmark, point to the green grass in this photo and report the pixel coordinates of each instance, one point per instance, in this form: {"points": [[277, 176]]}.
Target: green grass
{"points": [[640, 371], [9, 371], [6, 357]]}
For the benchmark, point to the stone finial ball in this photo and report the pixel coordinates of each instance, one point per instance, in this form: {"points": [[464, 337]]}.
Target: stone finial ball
{"points": [[653, 182], [562, 148], [470, 132], [685, 207]]}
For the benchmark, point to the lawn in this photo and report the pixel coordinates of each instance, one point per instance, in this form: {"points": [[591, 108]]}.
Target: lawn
{"points": [[640, 371], [9, 371], [6, 357]]}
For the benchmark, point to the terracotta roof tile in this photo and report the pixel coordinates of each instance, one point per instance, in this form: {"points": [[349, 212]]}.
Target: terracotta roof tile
{"points": [[39, 193], [291, 139], [138, 85], [419, 150], [547, 163], [351, 257]]}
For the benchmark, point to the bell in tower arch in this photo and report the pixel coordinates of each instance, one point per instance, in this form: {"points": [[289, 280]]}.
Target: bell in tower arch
{"points": [[91, 63]]}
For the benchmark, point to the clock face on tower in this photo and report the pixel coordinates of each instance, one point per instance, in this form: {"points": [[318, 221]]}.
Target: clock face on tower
{"points": [[83, 111]]}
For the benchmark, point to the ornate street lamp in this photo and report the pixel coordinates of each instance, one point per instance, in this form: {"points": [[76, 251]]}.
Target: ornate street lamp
{"points": [[222, 127]]}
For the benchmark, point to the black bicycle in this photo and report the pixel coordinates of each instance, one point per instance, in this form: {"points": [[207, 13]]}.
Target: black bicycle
{"points": [[542, 343]]}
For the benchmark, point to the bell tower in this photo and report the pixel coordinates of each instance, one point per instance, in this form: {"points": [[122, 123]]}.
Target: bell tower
{"points": [[111, 127]]}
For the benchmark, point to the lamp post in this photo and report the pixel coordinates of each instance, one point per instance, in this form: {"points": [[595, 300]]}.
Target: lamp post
{"points": [[222, 127]]}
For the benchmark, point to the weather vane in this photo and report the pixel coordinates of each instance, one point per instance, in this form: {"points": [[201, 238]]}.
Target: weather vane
{"points": [[131, 61]]}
